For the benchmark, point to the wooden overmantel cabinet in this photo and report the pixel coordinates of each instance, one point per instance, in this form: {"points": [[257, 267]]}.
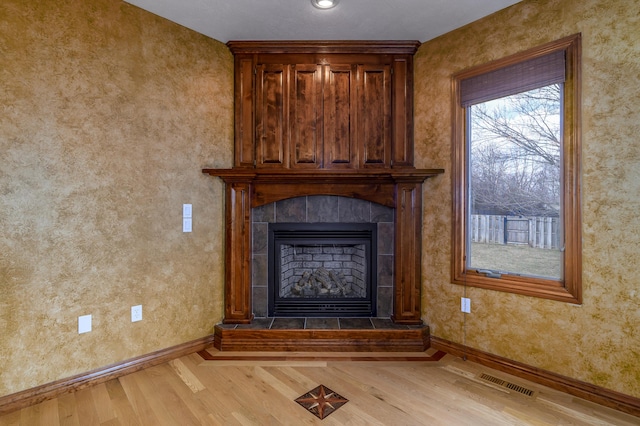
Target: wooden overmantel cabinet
{"points": [[323, 118], [323, 105]]}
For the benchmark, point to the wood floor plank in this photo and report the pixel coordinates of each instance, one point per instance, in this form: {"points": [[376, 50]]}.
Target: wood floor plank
{"points": [[102, 401], [216, 397], [67, 410], [49, 415], [282, 388], [30, 415], [138, 400], [185, 391], [261, 397], [85, 404], [113, 422], [442, 401], [11, 419], [124, 412], [186, 375], [258, 391], [165, 404]]}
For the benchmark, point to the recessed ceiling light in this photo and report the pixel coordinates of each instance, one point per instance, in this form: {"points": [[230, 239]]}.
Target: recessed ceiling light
{"points": [[324, 4]]}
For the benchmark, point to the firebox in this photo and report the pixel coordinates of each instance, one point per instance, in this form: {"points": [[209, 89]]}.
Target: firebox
{"points": [[322, 269]]}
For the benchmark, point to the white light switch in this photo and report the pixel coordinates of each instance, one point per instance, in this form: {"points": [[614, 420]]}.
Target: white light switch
{"points": [[465, 305], [187, 211], [84, 324]]}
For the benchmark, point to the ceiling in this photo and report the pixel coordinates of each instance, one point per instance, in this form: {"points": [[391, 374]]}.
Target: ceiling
{"points": [[226, 20]]}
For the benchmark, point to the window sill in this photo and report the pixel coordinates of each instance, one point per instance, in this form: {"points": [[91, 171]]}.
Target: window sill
{"points": [[527, 286]]}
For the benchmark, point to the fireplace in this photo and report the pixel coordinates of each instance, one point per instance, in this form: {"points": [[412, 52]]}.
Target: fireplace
{"points": [[322, 269], [250, 193], [354, 142]]}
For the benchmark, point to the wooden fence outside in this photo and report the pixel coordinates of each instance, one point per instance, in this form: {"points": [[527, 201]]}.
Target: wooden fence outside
{"points": [[539, 232]]}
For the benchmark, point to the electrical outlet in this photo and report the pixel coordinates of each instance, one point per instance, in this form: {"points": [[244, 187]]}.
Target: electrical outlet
{"points": [[465, 305], [136, 313], [84, 324]]}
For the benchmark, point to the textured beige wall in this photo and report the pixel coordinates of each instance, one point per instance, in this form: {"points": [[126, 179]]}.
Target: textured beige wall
{"points": [[108, 114], [597, 342]]}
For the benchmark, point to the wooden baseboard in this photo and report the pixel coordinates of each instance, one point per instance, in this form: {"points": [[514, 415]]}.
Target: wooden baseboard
{"points": [[377, 340], [593, 393], [19, 400]]}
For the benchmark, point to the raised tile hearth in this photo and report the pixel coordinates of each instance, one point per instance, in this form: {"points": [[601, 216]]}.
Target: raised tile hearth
{"points": [[322, 335], [320, 324]]}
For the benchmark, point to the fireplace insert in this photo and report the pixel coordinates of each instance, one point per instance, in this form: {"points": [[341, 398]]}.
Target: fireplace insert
{"points": [[322, 269]]}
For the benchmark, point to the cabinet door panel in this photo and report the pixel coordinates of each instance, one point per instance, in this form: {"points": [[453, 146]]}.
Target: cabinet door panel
{"points": [[244, 136], [339, 113], [306, 116], [271, 116], [374, 119]]}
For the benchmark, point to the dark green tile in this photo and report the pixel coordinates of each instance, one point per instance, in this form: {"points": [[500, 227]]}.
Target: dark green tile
{"points": [[257, 324], [322, 323], [287, 323], [355, 324], [387, 323]]}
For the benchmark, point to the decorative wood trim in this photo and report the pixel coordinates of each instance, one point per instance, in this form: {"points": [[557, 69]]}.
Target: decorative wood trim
{"points": [[268, 193], [593, 393], [25, 398], [375, 185], [245, 339], [408, 254], [389, 47], [238, 253], [221, 356], [402, 110]]}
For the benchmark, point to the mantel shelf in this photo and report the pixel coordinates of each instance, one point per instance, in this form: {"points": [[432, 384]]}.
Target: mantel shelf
{"points": [[269, 185], [344, 177]]}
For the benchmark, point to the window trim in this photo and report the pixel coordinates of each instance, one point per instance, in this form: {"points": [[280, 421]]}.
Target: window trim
{"points": [[569, 289]]}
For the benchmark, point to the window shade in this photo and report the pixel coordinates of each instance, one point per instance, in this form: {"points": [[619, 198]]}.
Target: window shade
{"points": [[527, 75]]}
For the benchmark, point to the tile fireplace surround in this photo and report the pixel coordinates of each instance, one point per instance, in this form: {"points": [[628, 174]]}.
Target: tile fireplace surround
{"points": [[323, 209]]}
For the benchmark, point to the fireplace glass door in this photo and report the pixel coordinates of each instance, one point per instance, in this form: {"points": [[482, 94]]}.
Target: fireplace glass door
{"points": [[322, 269]]}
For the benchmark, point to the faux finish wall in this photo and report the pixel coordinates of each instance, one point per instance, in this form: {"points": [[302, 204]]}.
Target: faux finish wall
{"points": [[108, 114], [597, 342]]}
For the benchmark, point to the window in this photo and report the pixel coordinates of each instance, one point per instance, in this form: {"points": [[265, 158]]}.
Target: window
{"points": [[516, 173]]}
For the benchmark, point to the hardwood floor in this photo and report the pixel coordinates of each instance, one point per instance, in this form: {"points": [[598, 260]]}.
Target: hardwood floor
{"points": [[260, 389]]}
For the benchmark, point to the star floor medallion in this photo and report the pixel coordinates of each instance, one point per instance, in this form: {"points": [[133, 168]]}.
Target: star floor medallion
{"points": [[321, 401]]}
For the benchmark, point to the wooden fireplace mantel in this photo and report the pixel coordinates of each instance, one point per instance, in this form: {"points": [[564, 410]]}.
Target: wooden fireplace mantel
{"points": [[372, 185], [400, 189]]}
